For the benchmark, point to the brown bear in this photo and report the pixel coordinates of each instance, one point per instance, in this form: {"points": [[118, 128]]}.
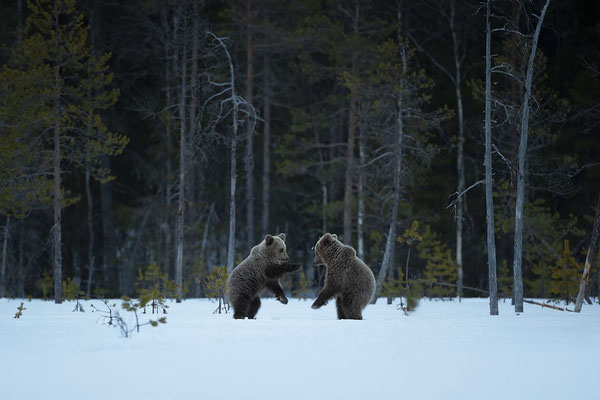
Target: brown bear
{"points": [[267, 262], [347, 278]]}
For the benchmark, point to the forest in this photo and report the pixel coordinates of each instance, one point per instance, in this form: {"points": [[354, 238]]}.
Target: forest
{"points": [[453, 143]]}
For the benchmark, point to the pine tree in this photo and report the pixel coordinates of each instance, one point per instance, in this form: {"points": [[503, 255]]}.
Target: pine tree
{"points": [[565, 276], [215, 286], [440, 265], [154, 288], [395, 287], [505, 280], [304, 288], [53, 88]]}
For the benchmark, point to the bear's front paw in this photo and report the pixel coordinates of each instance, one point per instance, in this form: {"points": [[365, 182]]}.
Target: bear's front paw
{"points": [[293, 267], [316, 305], [283, 299]]}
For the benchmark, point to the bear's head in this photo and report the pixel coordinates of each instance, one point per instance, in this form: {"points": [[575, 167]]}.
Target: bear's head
{"points": [[325, 248], [276, 249]]}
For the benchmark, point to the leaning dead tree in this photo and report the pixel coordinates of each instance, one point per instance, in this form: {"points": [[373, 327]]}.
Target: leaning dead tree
{"points": [[518, 236], [588, 259]]}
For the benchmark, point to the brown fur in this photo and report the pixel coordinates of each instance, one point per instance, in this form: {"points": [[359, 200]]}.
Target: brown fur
{"points": [[267, 262], [348, 278]]}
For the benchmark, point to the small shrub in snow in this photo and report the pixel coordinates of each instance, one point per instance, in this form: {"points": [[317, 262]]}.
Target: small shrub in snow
{"points": [[20, 311], [216, 281], [304, 288], [410, 291], [45, 284], [154, 287], [112, 317], [439, 267]]}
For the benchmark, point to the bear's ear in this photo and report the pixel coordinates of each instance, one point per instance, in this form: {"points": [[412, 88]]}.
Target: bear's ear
{"points": [[269, 240], [282, 236], [333, 235], [327, 238]]}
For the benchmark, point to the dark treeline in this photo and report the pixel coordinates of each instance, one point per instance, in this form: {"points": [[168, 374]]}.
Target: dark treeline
{"points": [[181, 132]]}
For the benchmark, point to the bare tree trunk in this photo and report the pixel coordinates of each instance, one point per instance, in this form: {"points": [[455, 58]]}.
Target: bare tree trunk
{"points": [[233, 156], [266, 173], [489, 199], [360, 223], [249, 130], [460, 163], [518, 244], [21, 274], [191, 162], [4, 257], [57, 232], [182, 166], [109, 239], [168, 166], [324, 201], [203, 246], [588, 259], [390, 245], [90, 224], [350, 148]]}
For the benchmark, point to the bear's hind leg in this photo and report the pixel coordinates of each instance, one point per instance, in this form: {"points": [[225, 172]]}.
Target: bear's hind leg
{"points": [[240, 308], [351, 309], [254, 306], [340, 311]]}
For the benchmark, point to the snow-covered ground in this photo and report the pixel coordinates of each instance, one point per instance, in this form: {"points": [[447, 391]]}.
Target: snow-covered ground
{"points": [[445, 350]]}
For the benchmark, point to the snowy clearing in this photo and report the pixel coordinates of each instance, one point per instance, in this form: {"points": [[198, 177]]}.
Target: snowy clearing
{"points": [[445, 350]]}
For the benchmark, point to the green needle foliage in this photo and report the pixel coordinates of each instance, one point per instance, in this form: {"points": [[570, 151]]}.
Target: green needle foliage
{"points": [[505, 280], [216, 282], [154, 287], [397, 287], [45, 284], [439, 267], [304, 288], [566, 275], [52, 82], [20, 311]]}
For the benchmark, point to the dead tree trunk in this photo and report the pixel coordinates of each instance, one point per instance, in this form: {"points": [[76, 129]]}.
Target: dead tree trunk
{"points": [[57, 232], [518, 242], [90, 224], [4, 258], [168, 166], [109, 239], [266, 172], [191, 155], [460, 163], [489, 200], [390, 245], [350, 148], [21, 264], [233, 157], [360, 222], [182, 165], [249, 164], [588, 259]]}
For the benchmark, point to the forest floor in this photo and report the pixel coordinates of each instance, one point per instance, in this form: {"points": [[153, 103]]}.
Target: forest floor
{"points": [[444, 350]]}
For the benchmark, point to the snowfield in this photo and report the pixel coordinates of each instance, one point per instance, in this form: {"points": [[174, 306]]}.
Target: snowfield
{"points": [[445, 350]]}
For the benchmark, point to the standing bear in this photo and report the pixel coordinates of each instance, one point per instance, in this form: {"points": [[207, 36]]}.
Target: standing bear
{"points": [[267, 262], [347, 278]]}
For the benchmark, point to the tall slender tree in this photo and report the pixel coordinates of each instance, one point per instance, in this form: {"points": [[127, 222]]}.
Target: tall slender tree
{"points": [[522, 172], [489, 197]]}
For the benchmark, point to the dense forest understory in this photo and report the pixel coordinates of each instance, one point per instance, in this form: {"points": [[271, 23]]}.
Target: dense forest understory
{"points": [[180, 132]]}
